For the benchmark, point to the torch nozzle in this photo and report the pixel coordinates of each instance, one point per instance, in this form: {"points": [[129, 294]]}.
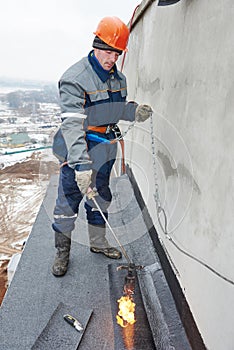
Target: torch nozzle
{"points": [[129, 281], [129, 285]]}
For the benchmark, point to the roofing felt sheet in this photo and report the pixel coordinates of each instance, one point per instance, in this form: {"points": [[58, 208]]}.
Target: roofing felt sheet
{"points": [[60, 336], [137, 336]]}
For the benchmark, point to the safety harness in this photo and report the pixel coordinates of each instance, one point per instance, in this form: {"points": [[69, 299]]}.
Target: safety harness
{"points": [[106, 130]]}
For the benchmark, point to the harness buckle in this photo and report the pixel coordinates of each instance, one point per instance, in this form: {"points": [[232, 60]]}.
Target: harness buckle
{"points": [[117, 131], [108, 129]]}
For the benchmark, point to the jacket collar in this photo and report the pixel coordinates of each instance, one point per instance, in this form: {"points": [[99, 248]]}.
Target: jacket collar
{"points": [[103, 74]]}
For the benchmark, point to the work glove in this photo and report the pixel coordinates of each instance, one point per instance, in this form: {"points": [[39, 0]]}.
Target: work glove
{"points": [[83, 180], [143, 112], [91, 193]]}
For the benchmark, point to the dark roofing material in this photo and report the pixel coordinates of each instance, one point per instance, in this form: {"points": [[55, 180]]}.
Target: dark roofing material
{"points": [[60, 336], [141, 336], [35, 293]]}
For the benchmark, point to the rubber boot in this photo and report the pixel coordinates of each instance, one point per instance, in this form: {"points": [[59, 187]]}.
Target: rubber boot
{"points": [[99, 243], [63, 245]]}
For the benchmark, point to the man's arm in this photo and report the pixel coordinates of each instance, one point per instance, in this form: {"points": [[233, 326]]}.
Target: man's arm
{"points": [[72, 100]]}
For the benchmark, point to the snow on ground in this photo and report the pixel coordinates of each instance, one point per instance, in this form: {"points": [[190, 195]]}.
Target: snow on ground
{"points": [[7, 90], [24, 175], [11, 159], [22, 154], [22, 189]]}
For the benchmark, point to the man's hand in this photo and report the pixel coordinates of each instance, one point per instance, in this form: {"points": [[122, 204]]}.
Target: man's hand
{"points": [[91, 193], [83, 179], [143, 112]]}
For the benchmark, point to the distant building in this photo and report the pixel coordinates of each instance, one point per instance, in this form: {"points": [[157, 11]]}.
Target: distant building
{"points": [[15, 140]]}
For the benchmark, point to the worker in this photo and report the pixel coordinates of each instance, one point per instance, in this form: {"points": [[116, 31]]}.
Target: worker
{"points": [[93, 100]]}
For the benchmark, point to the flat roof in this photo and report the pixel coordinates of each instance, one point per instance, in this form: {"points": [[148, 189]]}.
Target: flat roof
{"points": [[34, 293]]}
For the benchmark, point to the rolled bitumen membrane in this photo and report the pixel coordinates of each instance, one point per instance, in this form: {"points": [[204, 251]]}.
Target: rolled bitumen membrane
{"points": [[137, 336]]}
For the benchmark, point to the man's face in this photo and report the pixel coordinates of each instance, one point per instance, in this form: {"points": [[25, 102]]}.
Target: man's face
{"points": [[106, 58]]}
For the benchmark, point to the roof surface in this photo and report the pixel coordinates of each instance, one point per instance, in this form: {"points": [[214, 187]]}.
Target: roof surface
{"points": [[34, 293]]}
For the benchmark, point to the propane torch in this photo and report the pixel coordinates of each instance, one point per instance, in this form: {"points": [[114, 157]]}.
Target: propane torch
{"points": [[129, 283]]}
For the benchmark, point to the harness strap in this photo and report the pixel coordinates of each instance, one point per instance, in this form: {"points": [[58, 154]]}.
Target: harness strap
{"points": [[97, 138], [123, 167], [102, 129]]}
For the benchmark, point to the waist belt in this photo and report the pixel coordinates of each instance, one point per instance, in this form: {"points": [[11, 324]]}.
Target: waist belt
{"points": [[102, 129]]}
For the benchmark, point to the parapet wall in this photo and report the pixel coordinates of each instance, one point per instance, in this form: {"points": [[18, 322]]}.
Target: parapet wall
{"points": [[181, 62]]}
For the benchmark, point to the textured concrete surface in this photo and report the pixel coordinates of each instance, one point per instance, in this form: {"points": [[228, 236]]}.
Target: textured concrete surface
{"points": [[35, 293], [181, 62]]}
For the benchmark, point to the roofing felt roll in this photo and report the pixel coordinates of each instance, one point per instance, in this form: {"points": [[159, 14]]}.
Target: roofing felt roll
{"points": [[137, 336]]}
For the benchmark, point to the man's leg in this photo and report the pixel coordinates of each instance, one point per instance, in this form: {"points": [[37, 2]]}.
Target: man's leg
{"points": [[103, 157], [62, 244], [65, 214], [97, 234]]}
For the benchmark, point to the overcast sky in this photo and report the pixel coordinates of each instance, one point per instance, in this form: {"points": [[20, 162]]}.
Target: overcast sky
{"points": [[39, 39]]}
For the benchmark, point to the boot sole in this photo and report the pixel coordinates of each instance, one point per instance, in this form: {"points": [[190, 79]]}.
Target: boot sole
{"points": [[101, 251]]}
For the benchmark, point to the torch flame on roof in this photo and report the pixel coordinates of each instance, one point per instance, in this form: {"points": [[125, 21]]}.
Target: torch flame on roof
{"points": [[126, 313]]}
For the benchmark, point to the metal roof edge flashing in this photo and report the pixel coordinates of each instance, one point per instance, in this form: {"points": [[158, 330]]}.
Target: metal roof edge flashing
{"points": [[181, 303], [144, 5], [140, 11]]}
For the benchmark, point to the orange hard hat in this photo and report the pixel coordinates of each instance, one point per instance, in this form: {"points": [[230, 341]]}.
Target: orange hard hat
{"points": [[113, 32]]}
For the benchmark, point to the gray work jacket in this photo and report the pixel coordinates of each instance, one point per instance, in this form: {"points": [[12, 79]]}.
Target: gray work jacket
{"points": [[82, 96]]}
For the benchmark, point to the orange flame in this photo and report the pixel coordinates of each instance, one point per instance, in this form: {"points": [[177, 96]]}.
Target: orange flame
{"points": [[126, 313]]}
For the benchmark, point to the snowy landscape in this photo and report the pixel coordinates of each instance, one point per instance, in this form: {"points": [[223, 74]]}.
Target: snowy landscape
{"points": [[29, 116]]}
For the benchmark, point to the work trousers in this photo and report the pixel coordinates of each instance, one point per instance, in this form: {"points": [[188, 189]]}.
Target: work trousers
{"points": [[69, 196]]}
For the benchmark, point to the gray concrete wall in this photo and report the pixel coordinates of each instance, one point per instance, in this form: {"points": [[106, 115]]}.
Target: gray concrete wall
{"points": [[181, 61]]}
